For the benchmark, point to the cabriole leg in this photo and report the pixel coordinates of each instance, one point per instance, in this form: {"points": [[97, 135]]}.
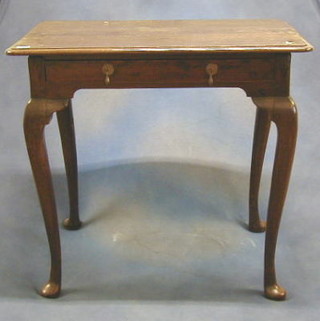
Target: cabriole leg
{"points": [[284, 115], [38, 114], [261, 133], [66, 127]]}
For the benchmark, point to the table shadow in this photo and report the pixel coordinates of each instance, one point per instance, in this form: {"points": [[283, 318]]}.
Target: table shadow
{"points": [[153, 220]]}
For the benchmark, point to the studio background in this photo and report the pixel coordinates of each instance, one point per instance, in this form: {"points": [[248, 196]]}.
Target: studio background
{"points": [[164, 178]]}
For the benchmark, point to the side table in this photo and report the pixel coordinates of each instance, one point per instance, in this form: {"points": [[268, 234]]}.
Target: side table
{"points": [[254, 55]]}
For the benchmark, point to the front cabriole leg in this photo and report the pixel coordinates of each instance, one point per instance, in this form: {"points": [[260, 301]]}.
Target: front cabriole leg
{"points": [[284, 114], [38, 114]]}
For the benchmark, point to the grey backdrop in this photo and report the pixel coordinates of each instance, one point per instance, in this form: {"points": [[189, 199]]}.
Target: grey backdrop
{"points": [[163, 186]]}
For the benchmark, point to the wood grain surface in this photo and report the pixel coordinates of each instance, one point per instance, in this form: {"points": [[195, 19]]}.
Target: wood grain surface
{"points": [[107, 37]]}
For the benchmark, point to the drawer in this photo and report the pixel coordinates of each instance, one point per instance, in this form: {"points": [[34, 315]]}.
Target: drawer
{"points": [[257, 76], [156, 73]]}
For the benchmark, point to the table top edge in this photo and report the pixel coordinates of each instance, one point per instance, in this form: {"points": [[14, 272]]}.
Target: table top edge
{"points": [[105, 51]]}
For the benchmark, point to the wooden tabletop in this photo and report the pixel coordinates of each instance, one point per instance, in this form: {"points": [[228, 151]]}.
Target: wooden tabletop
{"points": [[105, 37]]}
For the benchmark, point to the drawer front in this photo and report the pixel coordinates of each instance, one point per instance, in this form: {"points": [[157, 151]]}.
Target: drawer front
{"points": [[68, 76]]}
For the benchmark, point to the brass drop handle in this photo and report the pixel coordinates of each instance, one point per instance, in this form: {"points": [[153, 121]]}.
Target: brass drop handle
{"points": [[211, 69], [108, 70]]}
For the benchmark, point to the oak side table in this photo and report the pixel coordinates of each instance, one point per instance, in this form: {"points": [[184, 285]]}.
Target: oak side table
{"points": [[254, 55]]}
